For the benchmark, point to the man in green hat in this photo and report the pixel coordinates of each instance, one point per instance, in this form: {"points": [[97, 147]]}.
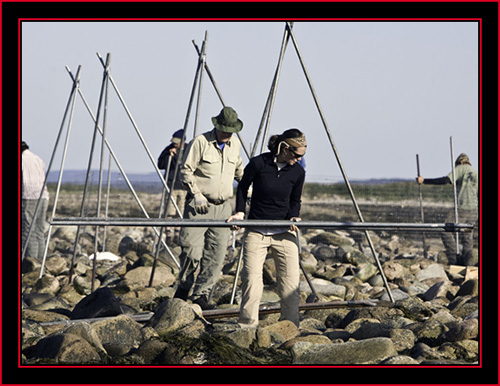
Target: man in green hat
{"points": [[211, 165], [467, 181]]}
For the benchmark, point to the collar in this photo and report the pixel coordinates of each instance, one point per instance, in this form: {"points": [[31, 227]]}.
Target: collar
{"points": [[212, 138]]}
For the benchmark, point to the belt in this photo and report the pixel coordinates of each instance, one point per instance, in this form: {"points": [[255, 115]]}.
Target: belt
{"points": [[216, 202]]}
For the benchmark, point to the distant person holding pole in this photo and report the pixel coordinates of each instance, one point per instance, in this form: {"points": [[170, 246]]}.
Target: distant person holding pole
{"points": [[277, 180], [467, 199], [211, 165], [167, 161], [33, 177]]}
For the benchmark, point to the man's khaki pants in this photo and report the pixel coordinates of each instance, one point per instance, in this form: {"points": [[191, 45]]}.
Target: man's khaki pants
{"points": [[285, 253], [204, 248]]}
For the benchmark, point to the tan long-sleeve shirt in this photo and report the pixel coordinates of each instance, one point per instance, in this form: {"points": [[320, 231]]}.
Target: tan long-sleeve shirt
{"points": [[209, 170]]}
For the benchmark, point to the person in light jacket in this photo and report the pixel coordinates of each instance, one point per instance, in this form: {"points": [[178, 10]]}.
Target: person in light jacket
{"points": [[211, 165], [467, 181]]}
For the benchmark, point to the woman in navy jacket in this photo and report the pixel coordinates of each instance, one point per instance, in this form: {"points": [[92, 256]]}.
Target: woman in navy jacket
{"points": [[277, 180]]}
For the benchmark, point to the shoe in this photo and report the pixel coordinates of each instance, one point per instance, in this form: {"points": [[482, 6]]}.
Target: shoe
{"points": [[181, 293], [203, 302]]}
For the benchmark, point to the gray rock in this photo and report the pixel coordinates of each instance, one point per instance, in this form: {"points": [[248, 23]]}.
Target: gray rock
{"points": [[119, 334], [65, 348], [368, 351], [171, 315], [100, 303], [366, 272], [324, 287], [400, 360], [150, 350], [87, 332], [141, 276], [431, 272], [469, 288]]}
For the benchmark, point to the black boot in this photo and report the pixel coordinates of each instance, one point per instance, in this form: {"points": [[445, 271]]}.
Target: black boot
{"points": [[181, 293]]}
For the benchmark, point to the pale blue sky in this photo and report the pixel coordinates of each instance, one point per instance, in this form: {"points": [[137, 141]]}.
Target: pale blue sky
{"points": [[388, 90]]}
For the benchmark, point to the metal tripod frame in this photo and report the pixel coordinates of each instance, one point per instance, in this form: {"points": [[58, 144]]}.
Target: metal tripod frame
{"points": [[288, 33]]}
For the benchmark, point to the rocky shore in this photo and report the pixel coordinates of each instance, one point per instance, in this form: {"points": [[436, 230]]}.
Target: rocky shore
{"points": [[433, 321]]}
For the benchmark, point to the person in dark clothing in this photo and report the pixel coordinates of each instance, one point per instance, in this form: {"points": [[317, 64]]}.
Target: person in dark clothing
{"points": [[168, 160], [278, 181]]}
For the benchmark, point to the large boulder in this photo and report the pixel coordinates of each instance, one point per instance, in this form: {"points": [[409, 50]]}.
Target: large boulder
{"points": [[171, 315], [100, 303], [65, 348]]}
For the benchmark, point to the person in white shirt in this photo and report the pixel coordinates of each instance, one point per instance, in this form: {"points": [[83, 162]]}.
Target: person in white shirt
{"points": [[33, 177]]}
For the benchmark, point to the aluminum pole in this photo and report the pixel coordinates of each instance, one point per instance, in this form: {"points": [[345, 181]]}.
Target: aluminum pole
{"points": [[76, 83], [455, 203], [101, 163], [421, 207], [266, 116], [154, 222]]}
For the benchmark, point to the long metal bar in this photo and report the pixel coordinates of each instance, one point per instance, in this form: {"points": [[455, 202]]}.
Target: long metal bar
{"points": [[344, 175], [421, 207], [105, 95], [229, 312], [455, 203], [161, 222]]}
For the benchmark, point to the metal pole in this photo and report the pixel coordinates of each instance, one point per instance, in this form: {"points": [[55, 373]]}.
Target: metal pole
{"points": [[351, 193], [101, 163], [455, 203], [76, 83], [421, 207], [163, 191], [238, 267], [87, 177], [314, 294], [139, 221], [266, 116], [106, 208], [181, 148]]}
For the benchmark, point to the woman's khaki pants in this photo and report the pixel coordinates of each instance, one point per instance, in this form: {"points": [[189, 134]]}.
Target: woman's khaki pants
{"points": [[285, 253]]}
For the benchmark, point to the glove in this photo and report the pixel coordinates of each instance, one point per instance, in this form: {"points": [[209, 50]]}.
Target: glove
{"points": [[200, 203]]}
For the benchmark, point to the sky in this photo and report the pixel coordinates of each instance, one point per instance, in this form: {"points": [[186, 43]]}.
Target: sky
{"points": [[388, 90]]}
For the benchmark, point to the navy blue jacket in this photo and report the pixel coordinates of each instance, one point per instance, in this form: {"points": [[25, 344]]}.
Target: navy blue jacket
{"points": [[276, 194]]}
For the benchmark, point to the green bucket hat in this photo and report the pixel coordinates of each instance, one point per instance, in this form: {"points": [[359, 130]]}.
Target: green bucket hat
{"points": [[227, 121]]}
